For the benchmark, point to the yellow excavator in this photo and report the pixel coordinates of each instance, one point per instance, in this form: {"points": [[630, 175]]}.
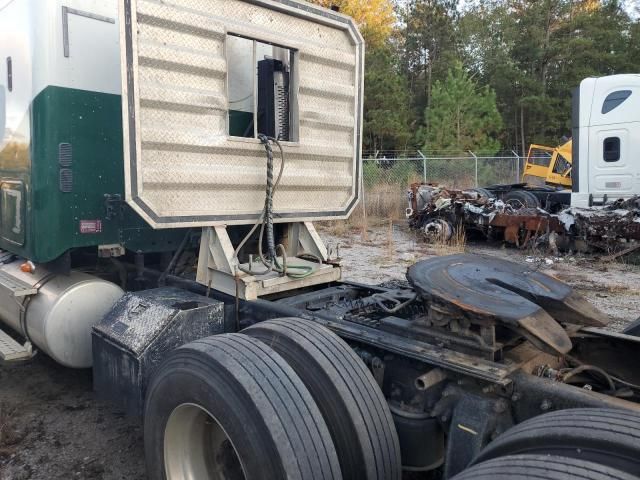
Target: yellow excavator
{"points": [[549, 166]]}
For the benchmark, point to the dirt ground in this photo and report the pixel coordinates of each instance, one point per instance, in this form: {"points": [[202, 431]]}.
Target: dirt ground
{"points": [[52, 427], [387, 252]]}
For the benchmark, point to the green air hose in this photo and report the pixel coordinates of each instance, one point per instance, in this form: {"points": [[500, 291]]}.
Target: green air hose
{"points": [[265, 222]]}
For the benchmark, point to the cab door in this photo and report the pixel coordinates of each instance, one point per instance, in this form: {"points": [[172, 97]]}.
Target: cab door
{"points": [[16, 48], [614, 138], [3, 112]]}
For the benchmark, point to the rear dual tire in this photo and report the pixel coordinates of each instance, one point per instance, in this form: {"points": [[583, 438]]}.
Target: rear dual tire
{"points": [[231, 407], [484, 194], [521, 199], [600, 435], [284, 399], [348, 396], [574, 444], [538, 467]]}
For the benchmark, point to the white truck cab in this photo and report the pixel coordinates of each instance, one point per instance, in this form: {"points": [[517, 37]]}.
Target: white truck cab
{"points": [[606, 140]]}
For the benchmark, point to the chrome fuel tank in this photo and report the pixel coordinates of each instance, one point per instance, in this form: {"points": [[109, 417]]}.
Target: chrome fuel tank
{"points": [[59, 317]]}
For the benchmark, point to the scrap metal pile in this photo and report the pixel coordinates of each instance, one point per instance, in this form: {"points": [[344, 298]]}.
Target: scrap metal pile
{"points": [[440, 212]]}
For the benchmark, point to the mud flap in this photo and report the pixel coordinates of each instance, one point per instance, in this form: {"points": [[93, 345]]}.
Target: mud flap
{"points": [[476, 421]]}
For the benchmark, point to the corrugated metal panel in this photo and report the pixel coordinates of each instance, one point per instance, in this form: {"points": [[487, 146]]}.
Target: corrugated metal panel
{"points": [[183, 169]]}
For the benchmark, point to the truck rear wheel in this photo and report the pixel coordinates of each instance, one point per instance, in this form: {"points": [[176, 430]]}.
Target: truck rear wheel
{"points": [[230, 407], [536, 467], [484, 193], [521, 199], [348, 396], [605, 436]]}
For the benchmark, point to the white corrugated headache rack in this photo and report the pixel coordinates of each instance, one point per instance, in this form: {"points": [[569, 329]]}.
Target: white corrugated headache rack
{"points": [[187, 163]]}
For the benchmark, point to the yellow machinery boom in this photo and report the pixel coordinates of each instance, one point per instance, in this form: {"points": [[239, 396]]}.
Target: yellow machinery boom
{"points": [[550, 166]]}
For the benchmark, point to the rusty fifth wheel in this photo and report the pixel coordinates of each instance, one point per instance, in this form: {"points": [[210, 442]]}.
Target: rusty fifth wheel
{"points": [[349, 398], [229, 407], [491, 289]]}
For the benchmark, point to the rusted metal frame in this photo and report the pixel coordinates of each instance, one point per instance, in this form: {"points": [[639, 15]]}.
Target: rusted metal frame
{"points": [[532, 395], [532, 224], [432, 355], [472, 344]]}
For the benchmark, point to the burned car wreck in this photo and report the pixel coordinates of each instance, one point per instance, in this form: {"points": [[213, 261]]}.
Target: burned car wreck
{"points": [[439, 212]]}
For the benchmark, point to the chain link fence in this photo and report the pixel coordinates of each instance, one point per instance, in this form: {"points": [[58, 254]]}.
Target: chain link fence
{"points": [[387, 175]]}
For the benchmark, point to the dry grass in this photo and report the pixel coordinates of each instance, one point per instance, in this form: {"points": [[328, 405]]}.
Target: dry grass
{"points": [[615, 289], [359, 221], [383, 205], [390, 247], [338, 228], [456, 244], [628, 257], [385, 201]]}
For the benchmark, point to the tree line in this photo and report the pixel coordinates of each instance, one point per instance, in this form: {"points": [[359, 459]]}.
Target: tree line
{"points": [[487, 76]]}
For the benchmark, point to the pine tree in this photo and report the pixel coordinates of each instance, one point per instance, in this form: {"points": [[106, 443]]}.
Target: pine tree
{"points": [[430, 45], [386, 107], [463, 116]]}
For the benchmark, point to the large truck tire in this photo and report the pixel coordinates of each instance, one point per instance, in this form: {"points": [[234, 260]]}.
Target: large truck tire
{"points": [[539, 467], [521, 199], [348, 396], [633, 329], [484, 193], [605, 436], [230, 407]]}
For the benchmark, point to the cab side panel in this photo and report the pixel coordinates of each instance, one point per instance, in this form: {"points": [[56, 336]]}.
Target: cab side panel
{"points": [[614, 137], [16, 45], [61, 158]]}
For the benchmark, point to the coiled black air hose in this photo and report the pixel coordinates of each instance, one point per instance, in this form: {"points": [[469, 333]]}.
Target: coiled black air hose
{"points": [[265, 222]]}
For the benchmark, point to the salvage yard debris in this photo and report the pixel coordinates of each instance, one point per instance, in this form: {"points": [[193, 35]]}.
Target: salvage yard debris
{"points": [[438, 212]]}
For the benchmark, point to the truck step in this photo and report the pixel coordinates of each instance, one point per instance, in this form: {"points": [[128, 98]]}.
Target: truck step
{"points": [[16, 286], [12, 351]]}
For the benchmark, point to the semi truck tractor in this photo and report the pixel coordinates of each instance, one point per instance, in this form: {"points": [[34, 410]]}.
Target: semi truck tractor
{"points": [[161, 166], [580, 196], [598, 166]]}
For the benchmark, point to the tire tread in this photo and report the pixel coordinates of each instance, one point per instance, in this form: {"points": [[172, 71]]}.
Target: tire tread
{"points": [[547, 467], [587, 432], [361, 394], [284, 407]]}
